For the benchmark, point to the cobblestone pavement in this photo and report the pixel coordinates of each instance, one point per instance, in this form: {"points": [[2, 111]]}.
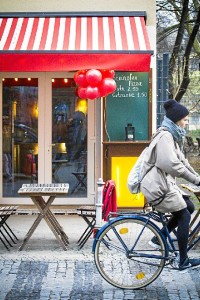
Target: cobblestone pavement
{"points": [[44, 271]]}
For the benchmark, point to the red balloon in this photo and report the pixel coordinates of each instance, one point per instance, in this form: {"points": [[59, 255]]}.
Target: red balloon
{"points": [[107, 86], [92, 92], [82, 92], [93, 77], [81, 80], [78, 73], [102, 90], [108, 74]]}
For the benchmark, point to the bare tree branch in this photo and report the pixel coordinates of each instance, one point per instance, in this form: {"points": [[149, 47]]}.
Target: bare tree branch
{"points": [[186, 80], [177, 45]]}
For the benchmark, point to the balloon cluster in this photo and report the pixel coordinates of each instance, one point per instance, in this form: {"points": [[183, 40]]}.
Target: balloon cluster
{"points": [[94, 83]]}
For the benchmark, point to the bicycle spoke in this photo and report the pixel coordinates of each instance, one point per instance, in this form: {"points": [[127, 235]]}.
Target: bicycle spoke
{"points": [[123, 266], [111, 246]]}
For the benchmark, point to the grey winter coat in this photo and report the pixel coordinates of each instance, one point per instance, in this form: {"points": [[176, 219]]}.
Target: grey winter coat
{"points": [[159, 184]]}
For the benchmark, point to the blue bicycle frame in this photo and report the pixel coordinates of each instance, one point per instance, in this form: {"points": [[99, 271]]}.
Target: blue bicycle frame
{"points": [[146, 220], [169, 245]]}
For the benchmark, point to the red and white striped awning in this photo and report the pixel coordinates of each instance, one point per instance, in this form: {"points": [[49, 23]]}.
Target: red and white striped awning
{"points": [[72, 43]]}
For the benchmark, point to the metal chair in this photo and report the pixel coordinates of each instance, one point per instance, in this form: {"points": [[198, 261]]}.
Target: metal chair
{"points": [[7, 236], [88, 213], [80, 173]]}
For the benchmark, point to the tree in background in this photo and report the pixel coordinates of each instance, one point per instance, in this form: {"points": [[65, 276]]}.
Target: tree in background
{"points": [[178, 23]]}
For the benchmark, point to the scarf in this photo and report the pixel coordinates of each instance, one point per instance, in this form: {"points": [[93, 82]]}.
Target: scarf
{"points": [[177, 132]]}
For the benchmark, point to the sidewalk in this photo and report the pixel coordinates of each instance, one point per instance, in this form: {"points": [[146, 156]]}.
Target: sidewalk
{"points": [[43, 270], [43, 244]]}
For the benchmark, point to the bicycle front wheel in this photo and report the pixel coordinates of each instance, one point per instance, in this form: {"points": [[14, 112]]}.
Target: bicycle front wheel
{"points": [[124, 257]]}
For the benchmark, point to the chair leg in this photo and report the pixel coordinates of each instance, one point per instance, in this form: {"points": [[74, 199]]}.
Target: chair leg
{"points": [[5, 239], [15, 237], [85, 232], [90, 220], [4, 244], [86, 238], [6, 230], [90, 225]]}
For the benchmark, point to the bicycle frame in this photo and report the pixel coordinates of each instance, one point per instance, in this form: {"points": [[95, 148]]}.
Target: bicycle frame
{"points": [[147, 219], [142, 217]]}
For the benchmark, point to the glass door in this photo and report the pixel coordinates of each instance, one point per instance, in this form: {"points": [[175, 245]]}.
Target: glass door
{"points": [[48, 134], [69, 137], [70, 142], [19, 133]]}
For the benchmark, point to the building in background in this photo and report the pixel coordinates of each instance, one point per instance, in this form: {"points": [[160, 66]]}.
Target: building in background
{"points": [[55, 135]]}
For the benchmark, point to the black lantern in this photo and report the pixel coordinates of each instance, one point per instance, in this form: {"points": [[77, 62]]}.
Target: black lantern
{"points": [[130, 132]]}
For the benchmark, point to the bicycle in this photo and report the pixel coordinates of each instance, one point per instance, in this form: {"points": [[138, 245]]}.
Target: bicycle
{"points": [[122, 252]]}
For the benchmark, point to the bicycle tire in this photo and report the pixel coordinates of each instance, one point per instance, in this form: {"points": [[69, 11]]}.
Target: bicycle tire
{"points": [[113, 262]]}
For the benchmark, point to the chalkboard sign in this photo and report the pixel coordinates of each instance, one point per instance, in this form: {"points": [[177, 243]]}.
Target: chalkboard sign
{"points": [[128, 104]]}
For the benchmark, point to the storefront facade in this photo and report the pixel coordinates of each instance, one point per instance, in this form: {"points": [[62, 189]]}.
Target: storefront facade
{"points": [[49, 134]]}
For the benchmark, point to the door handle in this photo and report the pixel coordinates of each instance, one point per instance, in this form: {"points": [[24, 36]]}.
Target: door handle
{"points": [[50, 146]]}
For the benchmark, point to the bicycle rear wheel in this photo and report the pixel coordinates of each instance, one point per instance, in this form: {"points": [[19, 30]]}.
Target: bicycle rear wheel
{"points": [[124, 268]]}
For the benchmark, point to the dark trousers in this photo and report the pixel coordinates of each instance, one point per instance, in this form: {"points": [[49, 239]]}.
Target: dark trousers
{"points": [[181, 220]]}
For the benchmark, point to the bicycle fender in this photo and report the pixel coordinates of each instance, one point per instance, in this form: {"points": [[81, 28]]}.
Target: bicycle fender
{"points": [[142, 218]]}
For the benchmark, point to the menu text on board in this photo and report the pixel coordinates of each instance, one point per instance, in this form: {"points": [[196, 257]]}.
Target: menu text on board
{"points": [[129, 86]]}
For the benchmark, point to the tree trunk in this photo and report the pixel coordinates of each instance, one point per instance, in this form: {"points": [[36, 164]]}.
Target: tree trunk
{"points": [[177, 46], [186, 79]]}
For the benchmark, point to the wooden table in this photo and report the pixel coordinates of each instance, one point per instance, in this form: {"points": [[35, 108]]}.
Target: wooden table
{"points": [[37, 192]]}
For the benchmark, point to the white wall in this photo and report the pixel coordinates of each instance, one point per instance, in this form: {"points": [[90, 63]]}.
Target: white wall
{"points": [[81, 5], [149, 6]]}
